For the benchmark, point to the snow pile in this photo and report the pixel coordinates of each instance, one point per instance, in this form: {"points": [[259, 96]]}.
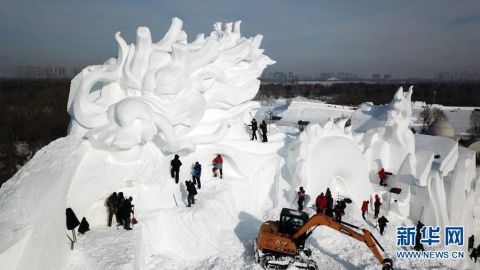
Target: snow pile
{"points": [[314, 111]]}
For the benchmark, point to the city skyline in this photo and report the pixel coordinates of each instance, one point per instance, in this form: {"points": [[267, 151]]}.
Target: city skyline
{"points": [[407, 39]]}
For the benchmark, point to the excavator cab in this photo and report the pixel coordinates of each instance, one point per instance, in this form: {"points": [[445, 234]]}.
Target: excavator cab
{"points": [[291, 221]]}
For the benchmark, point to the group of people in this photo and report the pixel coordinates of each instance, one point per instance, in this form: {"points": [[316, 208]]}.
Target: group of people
{"points": [[263, 127], [376, 206], [382, 221], [121, 207], [196, 174], [324, 205]]}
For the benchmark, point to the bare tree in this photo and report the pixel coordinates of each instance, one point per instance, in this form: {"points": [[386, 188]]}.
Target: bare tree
{"points": [[427, 116], [438, 114], [474, 123]]}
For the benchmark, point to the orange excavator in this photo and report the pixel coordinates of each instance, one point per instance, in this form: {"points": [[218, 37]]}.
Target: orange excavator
{"points": [[282, 243]]}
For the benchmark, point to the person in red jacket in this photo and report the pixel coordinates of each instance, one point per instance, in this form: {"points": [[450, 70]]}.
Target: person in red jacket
{"points": [[217, 165], [364, 208], [321, 203], [382, 176]]}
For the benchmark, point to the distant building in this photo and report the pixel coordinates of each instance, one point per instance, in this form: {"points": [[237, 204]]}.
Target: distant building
{"points": [[457, 76], [279, 76], [40, 72], [376, 76], [290, 75], [387, 77]]}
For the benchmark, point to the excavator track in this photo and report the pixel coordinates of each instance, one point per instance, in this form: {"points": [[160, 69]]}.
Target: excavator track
{"points": [[272, 261]]}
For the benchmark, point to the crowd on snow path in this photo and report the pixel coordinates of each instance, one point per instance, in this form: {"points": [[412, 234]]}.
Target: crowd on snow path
{"points": [[175, 165]]}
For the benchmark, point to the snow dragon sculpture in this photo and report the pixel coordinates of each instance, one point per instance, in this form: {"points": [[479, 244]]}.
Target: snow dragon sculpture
{"points": [[172, 93]]}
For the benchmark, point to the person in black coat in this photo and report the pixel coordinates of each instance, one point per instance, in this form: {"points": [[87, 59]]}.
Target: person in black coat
{"points": [[112, 206], [329, 209], [175, 168], [254, 129], [382, 223], [118, 213], [192, 191], [471, 242], [418, 236], [337, 210], [126, 210], [475, 253], [263, 128]]}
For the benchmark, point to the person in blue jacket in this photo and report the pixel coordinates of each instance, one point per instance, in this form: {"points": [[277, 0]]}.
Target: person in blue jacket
{"points": [[196, 173]]}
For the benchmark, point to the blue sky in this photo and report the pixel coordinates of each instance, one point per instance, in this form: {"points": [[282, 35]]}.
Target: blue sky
{"points": [[404, 38]]}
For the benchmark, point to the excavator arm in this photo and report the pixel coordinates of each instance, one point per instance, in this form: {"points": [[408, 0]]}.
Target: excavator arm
{"points": [[343, 227]]}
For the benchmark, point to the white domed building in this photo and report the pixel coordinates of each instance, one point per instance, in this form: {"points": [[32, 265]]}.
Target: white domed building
{"points": [[441, 128]]}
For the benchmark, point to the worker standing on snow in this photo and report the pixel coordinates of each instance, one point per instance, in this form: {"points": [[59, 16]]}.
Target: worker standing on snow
{"points": [[254, 129], [175, 168], [471, 242], [377, 205], [196, 173], [364, 209], [118, 214], [329, 208], [126, 210], [301, 198], [418, 236], [382, 223], [382, 175], [112, 205], [217, 166], [263, 128], [475, 253], [337, 210], [321, 203], [192, 191]]}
